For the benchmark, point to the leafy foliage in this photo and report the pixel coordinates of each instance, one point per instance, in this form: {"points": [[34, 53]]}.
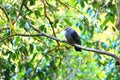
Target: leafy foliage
{"points": [[38, 57]]}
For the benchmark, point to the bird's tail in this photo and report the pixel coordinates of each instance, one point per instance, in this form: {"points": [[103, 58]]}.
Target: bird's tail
{"points": [[77, 49]]}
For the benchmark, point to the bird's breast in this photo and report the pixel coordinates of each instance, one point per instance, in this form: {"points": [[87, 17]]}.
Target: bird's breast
{"points": [[69, 37]]}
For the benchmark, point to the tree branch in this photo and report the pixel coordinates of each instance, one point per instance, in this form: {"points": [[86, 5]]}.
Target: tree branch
{"points": [[5, 13], [118, 15], [99, 51], [64, 41], [84, 48], [63, 4]]}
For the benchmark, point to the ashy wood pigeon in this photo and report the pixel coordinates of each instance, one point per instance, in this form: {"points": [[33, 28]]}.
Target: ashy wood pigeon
{"points": [[72, 37]]}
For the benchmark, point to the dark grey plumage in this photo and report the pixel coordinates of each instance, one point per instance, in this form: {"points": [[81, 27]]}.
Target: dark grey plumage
{"points": [[72, 37]]}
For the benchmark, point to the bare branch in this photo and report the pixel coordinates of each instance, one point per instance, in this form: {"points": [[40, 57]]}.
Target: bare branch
{"points": [[25, 35], [84, 48], [98, 51], [64, 41], [88, 49]]}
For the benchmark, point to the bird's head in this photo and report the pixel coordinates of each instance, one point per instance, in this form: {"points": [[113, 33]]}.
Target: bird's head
{"points": [[67, 29]]}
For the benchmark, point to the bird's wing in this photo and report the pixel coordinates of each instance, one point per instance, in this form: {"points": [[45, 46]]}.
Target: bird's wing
{"points": [[75, 36]]}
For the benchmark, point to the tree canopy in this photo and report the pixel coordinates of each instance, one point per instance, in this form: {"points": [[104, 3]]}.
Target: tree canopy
{"points": [[33, 44]]}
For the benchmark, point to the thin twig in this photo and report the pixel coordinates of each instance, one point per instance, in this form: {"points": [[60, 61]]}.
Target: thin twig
{"points": [[4, 29], [5, 13], [64, 4], [15, 20], [45, 13]]}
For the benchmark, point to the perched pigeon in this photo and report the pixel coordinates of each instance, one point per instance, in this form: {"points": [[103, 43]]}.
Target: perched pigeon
{"points": [[72, 37]]}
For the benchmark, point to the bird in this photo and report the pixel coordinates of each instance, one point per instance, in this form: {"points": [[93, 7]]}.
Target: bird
{"points": [[73, 37]]}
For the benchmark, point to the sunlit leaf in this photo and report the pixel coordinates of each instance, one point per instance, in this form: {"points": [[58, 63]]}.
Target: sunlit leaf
{"points": [[104, 45], [16, 41], [68, 22], [37, 13], [89, 11], [27, 27], [48, 57]]}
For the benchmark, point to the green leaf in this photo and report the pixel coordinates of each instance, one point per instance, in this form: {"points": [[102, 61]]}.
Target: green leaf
{"points": [[113, 45], [37, 13], [34, 55], [13, 13], [42, 27], [27, 26], [82, 3], [118, 50], [110, 16], [89, 11], [55, 23], [6, 65], [13, 67], [7, 74], [2, 23], [6, 34], [104, 23], [40, 74], [12, 56], [114, 29], [113, 8], [68, 22], [8, 52], [47, 57], [104, 45], [22, 23], [1, 1], [32, 2], [95, 4], [23, 49], [73, 2], [31, 48], [86, 1], [105, 27], [16, 41]]}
